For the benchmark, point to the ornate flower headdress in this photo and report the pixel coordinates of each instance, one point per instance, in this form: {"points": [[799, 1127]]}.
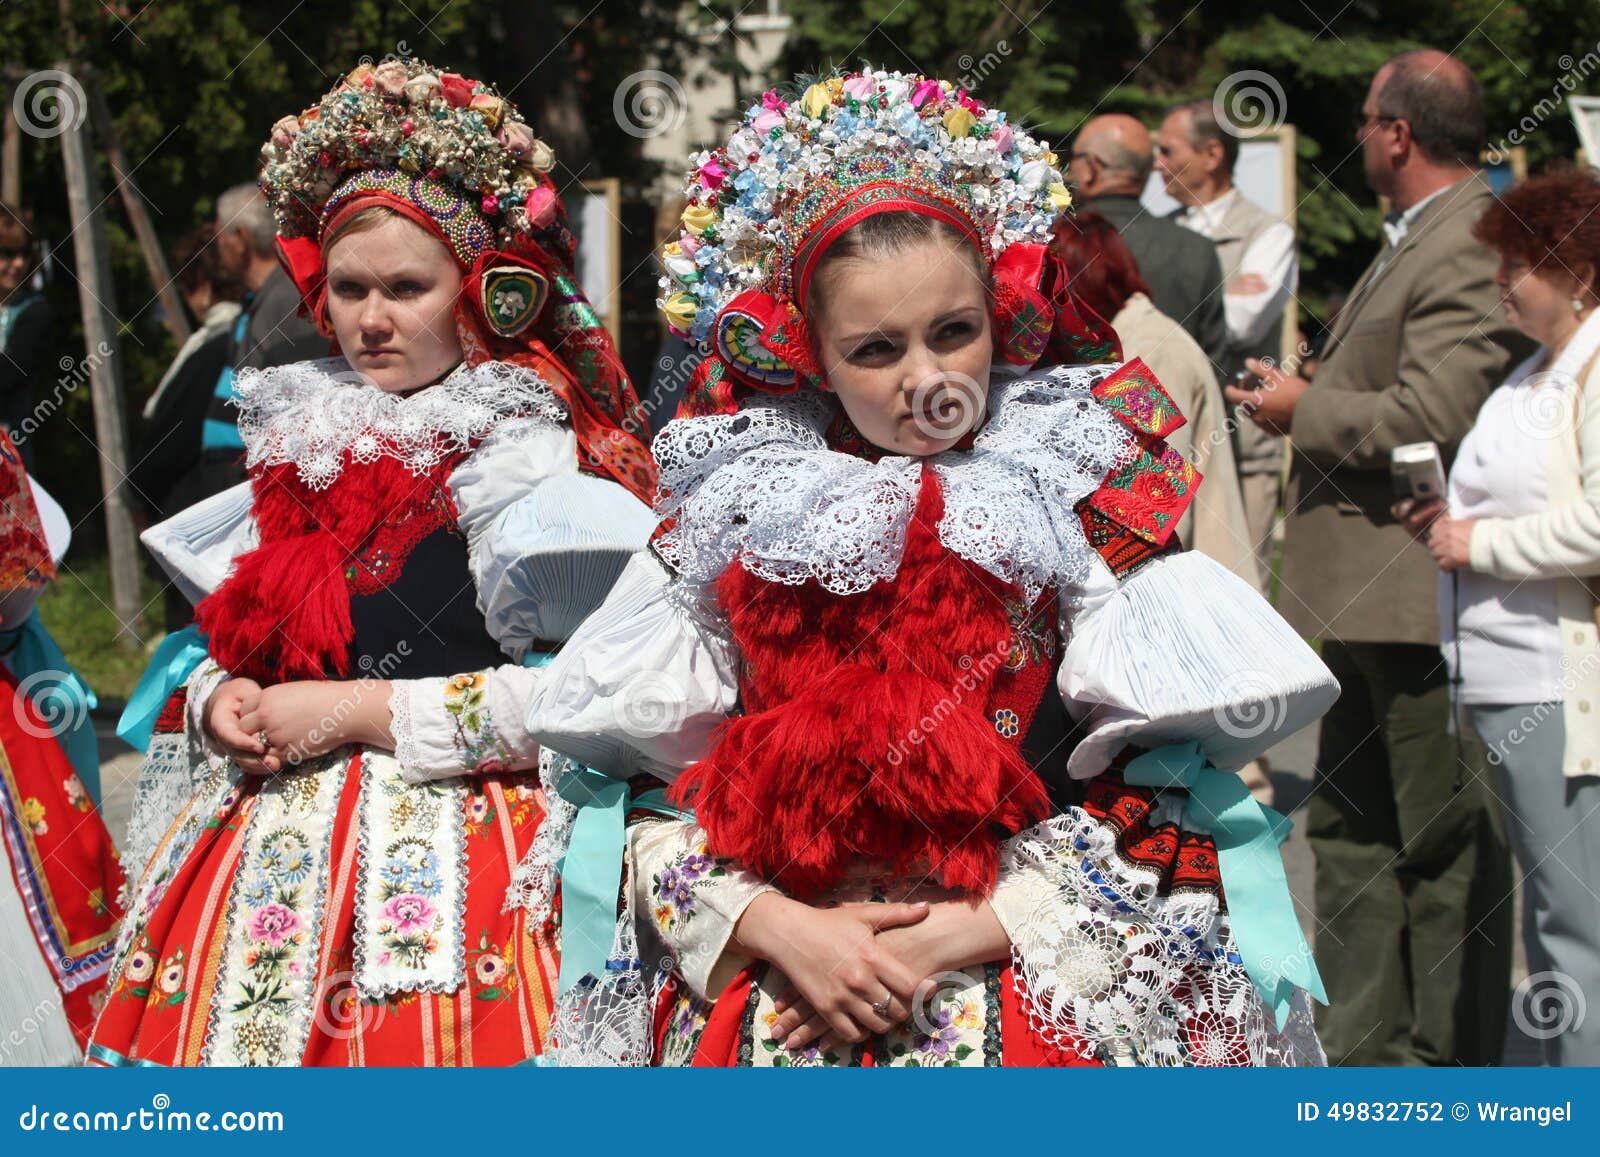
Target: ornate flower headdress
{"points": [[797, 173], [453, 155]]}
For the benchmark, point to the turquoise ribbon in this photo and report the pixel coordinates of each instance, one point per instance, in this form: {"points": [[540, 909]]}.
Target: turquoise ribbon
{"points": [[175, 659], [1273, 948], [591, 869], [59, 692]]}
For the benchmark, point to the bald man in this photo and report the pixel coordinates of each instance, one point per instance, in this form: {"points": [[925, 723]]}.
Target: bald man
{"points": [[1110, 163]]}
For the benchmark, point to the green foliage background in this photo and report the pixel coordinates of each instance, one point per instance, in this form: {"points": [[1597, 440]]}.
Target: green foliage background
{"points": [[194, 85]]}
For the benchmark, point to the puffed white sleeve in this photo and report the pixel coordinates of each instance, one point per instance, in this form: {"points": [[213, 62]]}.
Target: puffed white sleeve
{"points": [[197, 546], [639, 687], [1180, 650], [645, 681], [544, 546]]}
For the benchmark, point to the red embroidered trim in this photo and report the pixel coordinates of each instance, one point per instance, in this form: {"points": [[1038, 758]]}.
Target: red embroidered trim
{"points": [[380, 560], [171, 719], [1184, 861]]}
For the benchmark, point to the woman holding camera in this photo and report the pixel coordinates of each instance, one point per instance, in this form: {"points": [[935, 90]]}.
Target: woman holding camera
{"points": [[1515, 544]]}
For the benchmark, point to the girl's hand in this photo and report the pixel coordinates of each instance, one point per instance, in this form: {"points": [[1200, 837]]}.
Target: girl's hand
{"points": [[834, 961], [1417, 517], [957, 934], [1450, 542], [224, 721], [306, 719]]}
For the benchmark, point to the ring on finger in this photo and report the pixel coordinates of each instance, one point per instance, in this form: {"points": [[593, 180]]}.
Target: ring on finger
{"points": [[261, 737], [882, 1006]]}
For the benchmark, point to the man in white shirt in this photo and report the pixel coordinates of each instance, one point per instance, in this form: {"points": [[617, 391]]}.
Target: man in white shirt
{"points": [[1195, 155]]}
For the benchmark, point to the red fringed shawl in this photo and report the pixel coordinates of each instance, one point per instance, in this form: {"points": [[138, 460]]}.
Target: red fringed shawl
{"points": [[284, 611], [864, 735]]}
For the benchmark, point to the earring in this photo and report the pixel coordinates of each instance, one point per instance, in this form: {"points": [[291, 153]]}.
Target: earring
{"points": [[1577, 305]]}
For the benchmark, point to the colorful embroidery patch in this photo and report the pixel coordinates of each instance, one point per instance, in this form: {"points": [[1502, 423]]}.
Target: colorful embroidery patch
{"points": [[1134, 395], [512, 297]]}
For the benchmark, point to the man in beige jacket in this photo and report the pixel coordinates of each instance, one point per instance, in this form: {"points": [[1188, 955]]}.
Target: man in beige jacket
{"points": [[1413, 890]]}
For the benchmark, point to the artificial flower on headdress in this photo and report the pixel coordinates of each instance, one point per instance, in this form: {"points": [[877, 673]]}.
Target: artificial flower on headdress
{"points": [[802, 168], [454, 156]]}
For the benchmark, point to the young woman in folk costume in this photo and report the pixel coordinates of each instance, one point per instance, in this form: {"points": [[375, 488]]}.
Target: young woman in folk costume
{"points": [[456, 488], [904, 548], [60, 883]]}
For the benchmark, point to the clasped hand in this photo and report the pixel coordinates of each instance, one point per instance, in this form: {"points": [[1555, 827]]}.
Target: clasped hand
{"points": [[266, 729]]}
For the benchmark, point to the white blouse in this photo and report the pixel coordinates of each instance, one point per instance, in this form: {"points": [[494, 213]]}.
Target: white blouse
{"points": [[1500, 635]]}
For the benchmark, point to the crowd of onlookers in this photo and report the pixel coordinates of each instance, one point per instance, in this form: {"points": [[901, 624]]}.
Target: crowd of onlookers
{"points": [[1462, 628]]}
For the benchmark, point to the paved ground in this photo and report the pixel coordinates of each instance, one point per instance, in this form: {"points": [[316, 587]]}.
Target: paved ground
{"points": [[1291, 762]]}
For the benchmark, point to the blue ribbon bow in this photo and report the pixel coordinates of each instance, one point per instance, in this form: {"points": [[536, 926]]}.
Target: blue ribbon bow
{"points": [[1247, 834], [175, 659]]}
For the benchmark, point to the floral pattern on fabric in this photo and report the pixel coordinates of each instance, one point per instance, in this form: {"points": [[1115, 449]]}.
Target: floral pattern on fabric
{"points": [[478, 741], [411, 882], [265, 993], [1134, 395], [673, 889]]}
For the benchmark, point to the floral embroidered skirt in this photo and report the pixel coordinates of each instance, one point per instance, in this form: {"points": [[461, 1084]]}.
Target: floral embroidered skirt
{"points": [[63, 870], [335, 915], [1122, 955]]}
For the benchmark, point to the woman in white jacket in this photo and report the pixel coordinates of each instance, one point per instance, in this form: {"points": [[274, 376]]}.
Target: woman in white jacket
{"points": [[1516, 547]]}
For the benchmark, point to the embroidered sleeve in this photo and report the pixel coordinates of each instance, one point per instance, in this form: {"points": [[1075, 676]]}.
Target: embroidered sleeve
{"points": [[202, 683], [1134, 512], [465, 724], [690, 900], [1183, 649]]}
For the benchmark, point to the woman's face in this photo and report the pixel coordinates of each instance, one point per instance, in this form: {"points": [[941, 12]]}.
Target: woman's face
{"points": [[392, 293], [1536, 301], [904, 340]]}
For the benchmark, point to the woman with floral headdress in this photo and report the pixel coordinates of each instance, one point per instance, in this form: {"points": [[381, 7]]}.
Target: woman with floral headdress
{"points": [[455, 489], [955, 717]]}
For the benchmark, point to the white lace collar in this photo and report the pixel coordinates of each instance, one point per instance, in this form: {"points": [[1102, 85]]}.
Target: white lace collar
{"points": [[763, 486], [310, 413]]}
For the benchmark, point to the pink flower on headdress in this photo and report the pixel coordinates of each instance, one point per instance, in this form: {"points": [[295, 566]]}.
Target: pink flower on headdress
{"points": [[517, 139], [766, 120], [861, 87], [770, 99], [689, 245], [285, 131], [1001, 138], [925, 91], [541, 206], [712, 174], [390, 77]]}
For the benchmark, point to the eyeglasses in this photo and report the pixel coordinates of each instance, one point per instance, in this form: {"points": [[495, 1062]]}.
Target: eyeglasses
{"points": [[1084, 156], [11, 253], [1368, 118]]}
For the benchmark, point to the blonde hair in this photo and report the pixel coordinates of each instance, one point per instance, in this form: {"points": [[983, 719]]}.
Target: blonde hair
{"points": [[359, 221]]}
